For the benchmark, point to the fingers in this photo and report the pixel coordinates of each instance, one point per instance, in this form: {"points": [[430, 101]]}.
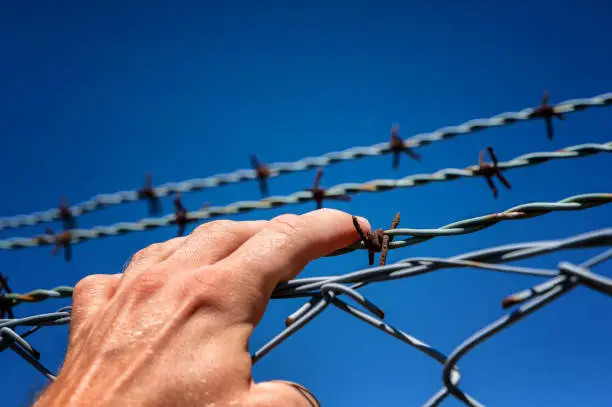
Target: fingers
{"points": [[213, 241], [152, 255], [207, 244], [281, 249], [152, 267], [280, 393]]}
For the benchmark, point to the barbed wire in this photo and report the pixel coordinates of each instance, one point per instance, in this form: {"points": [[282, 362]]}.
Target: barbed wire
{"points": [[104, 200], [325, 291], [75, 236], [301, 287], [466, 226]]}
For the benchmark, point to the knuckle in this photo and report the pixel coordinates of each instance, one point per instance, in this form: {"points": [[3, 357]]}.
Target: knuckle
{"points": [[149, 282], [87, 284], [288, 225], [214, 226], [147, 251], [205, 287]]}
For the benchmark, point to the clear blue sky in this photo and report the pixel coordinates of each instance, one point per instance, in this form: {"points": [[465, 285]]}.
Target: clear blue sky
{"points": [[95, 96]]}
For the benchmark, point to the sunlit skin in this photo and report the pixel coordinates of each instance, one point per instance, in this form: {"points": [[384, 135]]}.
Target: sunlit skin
{"points": [[398, 146], [547, 113], [318, 193], [147, 192], [377, 240], [173, 328], [263, 172], [489, 171]]}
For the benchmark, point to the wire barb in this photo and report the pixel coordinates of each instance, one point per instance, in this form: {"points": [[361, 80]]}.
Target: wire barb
{"points": [[263, 173], [61, 241], [319, 194], [148, 192], [397, 146], [65, 214], [377, 241], [547, 112], [490, 170], [180, 214]]}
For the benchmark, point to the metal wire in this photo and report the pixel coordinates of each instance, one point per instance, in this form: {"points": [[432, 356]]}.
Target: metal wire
{"points": [[104, 200], [479, 259], [325, 291], [80, 235]]}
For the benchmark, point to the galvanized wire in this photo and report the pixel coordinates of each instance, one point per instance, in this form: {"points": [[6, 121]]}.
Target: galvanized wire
{"points": [[325, 291], [301, 287], [80, 235], [104, 200], [504, 322]]}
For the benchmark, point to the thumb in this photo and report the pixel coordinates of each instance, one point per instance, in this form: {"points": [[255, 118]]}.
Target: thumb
{"points": [[281, 393]]}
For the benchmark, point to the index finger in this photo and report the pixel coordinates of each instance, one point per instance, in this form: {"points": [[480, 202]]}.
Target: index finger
{"points": [[281, 249]]}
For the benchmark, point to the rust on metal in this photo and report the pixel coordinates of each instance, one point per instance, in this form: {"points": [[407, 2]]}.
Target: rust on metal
{"points": [[490, 170], [398, 146], [263, 173], [148, 192], [546, 112], [319, 194], [377, 241]]}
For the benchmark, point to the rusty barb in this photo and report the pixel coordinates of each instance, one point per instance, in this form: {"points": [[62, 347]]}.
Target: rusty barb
{"points": [[61, 240], [490, 170], [377, 241], [318, 193], [181, 215], [263, 172], [66, 216], [398, 146], [147, 192], [546, 112], [6, 305]]}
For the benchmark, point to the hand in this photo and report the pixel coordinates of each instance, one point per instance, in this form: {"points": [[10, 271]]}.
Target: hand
{"points": [[173, 328]]}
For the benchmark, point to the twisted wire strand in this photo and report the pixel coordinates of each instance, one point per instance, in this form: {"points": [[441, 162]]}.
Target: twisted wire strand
{"points": [[487, 259], [38, 295], [104, 200], [330, 288], [530, 159], [462, 227]]}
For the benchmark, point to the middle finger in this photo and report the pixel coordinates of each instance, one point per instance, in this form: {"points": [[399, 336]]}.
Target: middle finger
{"points": [[213, 241]]}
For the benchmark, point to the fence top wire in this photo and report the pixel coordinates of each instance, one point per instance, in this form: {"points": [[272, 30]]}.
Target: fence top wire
{"points": [[414, 266], [530, 159], [484, 258], [466, 226], [329, 289], [104, 200]]}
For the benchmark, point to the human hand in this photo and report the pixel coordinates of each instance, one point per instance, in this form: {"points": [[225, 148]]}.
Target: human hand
{"points": [[173, 328]]}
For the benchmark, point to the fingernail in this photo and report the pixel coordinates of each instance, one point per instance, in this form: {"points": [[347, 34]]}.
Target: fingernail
{"points": [[303, 391], [363, 222]]}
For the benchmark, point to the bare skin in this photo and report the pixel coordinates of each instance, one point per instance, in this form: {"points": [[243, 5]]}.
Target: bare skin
{"points": [[173, 328]]}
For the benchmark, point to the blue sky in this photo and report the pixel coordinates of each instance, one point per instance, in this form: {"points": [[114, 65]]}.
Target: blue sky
{"points": [[95, 96]]}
